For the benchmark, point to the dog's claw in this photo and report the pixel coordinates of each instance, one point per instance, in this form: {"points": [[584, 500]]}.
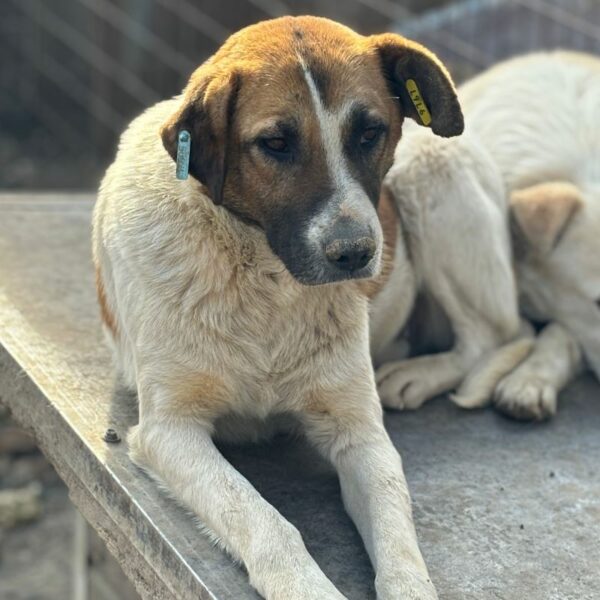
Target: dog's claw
{"points": [[525, 399]]}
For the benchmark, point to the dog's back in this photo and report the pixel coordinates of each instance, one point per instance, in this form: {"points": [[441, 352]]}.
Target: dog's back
{"points": [[538, 117]]}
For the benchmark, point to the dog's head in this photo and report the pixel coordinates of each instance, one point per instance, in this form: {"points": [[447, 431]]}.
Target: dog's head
{"points": [[294, 122]]}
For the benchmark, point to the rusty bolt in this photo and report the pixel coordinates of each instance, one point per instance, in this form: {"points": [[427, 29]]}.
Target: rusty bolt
{"points": [[111, 436]]}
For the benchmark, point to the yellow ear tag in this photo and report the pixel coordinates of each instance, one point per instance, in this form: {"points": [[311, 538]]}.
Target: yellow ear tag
{"points": [[415, 95]]}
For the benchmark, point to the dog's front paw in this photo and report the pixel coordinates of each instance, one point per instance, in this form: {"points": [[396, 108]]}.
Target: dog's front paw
{"points": [[401, 385], [298, 584], [527, 398], [404, 585]]}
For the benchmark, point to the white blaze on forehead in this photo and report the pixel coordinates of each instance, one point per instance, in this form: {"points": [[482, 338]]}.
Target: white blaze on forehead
{"points": [[348, 193], [330, 125]]}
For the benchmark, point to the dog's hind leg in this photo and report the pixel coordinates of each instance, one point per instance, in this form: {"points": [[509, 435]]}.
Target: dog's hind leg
{"points": [[346, 425], [530, 391], [461, 249]]}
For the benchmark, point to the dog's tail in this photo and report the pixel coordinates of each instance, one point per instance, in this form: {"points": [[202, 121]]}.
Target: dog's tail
{"points": [[478, 387]]}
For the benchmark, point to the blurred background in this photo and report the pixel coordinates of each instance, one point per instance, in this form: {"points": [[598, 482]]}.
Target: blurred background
{"points": [[74, 72]]}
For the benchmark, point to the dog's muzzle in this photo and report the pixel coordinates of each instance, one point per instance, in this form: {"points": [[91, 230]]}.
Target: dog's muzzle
{"points": [[341, 240], [348, 248]]}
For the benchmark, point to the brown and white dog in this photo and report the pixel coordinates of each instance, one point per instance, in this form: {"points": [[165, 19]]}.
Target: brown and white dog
{"points": [[243, 292]]}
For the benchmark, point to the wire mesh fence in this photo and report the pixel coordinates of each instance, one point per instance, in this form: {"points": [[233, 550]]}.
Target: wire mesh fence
{"points": [[474, 34], [74, 72]]}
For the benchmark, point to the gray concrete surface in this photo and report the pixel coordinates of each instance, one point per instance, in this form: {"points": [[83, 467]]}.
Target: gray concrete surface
{"points": [[504, 511]]}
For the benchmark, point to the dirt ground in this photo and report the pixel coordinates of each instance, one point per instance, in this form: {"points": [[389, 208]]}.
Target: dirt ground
{"points": [[35, 554]]}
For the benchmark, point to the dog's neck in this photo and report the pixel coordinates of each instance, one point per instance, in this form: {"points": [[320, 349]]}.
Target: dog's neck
{"points": [[239, 248]]}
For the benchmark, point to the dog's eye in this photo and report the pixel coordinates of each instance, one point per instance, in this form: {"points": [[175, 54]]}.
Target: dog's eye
{"points": [[276, 145], [370, 136]]}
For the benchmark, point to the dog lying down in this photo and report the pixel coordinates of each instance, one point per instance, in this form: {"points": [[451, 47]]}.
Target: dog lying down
{"points": [[242, 292], [525, 175]]}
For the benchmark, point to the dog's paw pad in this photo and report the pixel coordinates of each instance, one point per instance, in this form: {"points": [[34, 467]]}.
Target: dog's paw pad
{"points": [[525, 399]]}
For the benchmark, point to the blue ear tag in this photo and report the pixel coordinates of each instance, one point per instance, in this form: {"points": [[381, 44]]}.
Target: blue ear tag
{"points": [[184, 143]]}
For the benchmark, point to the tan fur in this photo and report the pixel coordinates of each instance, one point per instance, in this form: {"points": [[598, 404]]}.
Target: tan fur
{"points": [[264, 61], [201, 397], [105, 313], [258, 72], [543, 211]]}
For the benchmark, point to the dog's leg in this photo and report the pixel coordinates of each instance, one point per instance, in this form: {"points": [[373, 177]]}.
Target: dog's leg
{"points": [[463, 256], [530, 391], [181, 453], [347, 426], [407, 384]]}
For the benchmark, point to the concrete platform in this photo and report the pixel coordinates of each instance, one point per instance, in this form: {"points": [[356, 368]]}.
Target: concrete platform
{"points": [[504, 511]]}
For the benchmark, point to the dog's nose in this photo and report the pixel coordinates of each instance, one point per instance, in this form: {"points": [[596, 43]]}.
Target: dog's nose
{"points": [[350, 255]]}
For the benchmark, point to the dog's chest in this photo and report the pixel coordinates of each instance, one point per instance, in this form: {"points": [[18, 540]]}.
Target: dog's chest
{"points": [[290, 346], [240, 315], [296, 331], [271, 336]]}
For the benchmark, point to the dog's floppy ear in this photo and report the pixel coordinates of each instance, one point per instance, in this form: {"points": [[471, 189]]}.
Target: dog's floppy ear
{"points": [[541, 213], [206, 111], [421, 82]]}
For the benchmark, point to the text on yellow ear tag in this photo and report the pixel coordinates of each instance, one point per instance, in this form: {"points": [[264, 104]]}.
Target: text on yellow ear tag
{"points": [[415, 95]]}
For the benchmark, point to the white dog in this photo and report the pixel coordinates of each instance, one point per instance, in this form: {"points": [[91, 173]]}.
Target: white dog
{"points": [[526, 174]]}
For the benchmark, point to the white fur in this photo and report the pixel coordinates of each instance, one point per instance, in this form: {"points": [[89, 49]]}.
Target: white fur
{"points": [[530, 120], [390, 309], [554, 135], [350, 195], [330, 124], [448, 193], [531, 390]]}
